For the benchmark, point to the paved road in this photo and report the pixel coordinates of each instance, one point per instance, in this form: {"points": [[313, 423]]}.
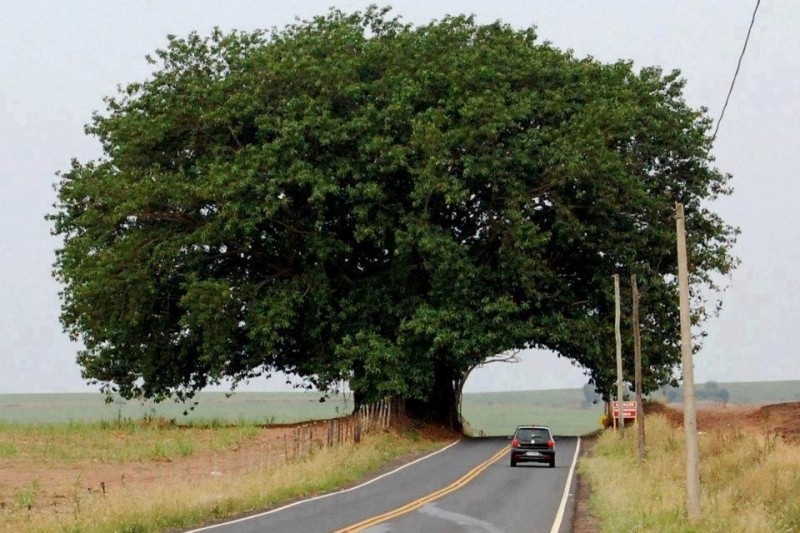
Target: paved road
{"points": [[468, 487]]}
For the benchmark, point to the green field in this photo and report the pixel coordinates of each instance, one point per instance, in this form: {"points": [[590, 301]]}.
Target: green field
{"points": [[489, 413], [498, 413], [763, 392], [749, 393], [258, 407], [485, 413]]}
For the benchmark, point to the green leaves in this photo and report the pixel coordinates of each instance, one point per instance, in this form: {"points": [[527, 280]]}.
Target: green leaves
{"points": [[353, 198]]}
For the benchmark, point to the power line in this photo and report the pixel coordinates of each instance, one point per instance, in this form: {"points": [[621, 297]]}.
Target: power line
{"points": [[738, 66]]}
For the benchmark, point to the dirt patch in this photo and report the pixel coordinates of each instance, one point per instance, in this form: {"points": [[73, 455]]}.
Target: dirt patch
{"points": [[782, 419], [56, 484]]}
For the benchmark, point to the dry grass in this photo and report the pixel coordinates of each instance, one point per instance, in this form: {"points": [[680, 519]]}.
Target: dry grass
{"points": [[750, 481], [176, 504]]}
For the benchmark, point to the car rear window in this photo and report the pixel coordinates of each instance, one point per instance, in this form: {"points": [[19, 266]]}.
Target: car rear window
{"points": [[525, 434]]}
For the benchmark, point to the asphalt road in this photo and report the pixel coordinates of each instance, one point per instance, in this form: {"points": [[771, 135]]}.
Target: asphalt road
{"points": [[467, 487]]}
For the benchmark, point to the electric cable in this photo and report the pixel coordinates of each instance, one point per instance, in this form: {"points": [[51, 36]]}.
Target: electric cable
{"points": [[736, 73]]}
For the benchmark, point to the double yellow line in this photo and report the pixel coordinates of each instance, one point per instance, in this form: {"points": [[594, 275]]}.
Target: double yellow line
{"points": [[416, 504]]}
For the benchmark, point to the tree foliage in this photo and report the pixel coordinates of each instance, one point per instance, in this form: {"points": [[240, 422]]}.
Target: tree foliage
{"points": [[356, 198]]}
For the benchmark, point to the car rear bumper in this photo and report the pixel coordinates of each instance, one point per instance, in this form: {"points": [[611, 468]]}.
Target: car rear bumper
{"points": [[532, 456]]}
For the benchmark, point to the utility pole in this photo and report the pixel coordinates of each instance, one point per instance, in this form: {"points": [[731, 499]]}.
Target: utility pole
{"points": [[617, 314], [637, 362], [689, 409]]}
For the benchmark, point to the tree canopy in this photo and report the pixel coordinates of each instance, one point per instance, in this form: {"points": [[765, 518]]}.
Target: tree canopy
{"points": [[356, 198]]}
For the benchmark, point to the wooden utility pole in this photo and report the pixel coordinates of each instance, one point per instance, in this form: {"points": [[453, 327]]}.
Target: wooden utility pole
{"points": [[637, 362], [689, 409], [617, 315]]}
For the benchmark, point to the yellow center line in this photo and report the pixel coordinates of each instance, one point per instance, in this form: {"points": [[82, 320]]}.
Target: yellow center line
{"points": [[416, 504]]}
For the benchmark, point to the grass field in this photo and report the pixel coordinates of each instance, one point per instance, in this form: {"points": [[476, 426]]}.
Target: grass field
{"points": [[485, 413], [750, 481], [44, 490], [763, 392], [256, 407], [498, 413], [490, 413]]}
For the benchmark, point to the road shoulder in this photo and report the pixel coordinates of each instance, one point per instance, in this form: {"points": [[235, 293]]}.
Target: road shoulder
{"points": [[583, 520]]}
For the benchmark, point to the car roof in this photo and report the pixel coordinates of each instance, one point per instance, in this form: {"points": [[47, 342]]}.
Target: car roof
{"points": [[531, 426]]}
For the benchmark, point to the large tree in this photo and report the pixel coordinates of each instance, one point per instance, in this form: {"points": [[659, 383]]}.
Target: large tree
{"points": [[355, 198]]}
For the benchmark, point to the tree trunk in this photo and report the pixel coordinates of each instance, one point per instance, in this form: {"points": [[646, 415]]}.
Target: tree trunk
{"points": [[441, 405], [358, 399]]}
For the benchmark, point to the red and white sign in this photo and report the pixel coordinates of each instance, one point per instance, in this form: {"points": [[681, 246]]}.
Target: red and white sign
{"points": [[628, 409]]}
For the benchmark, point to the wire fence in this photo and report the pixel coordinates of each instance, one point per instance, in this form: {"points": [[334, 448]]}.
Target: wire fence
{"points": [[277, 445]]}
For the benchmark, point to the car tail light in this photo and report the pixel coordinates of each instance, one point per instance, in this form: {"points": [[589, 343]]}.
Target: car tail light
{"points": [[551, 444], [515, 442]]}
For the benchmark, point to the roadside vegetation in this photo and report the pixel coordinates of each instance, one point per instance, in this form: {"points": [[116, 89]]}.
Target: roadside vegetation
{"points": [[174, 502], [750, 481]]}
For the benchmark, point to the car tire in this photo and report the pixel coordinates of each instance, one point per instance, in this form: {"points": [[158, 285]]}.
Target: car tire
{"points": [[552, 464], [513, 462]]}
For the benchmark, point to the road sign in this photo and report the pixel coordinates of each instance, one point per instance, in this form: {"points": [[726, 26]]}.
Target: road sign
{"points": [[628, 409]]}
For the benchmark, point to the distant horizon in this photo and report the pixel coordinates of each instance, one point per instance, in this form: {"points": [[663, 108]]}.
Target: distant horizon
{"points": [[295, 391]]}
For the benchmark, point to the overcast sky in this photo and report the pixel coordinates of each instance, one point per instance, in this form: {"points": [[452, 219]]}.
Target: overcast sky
{"points": [[59, 59]]}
